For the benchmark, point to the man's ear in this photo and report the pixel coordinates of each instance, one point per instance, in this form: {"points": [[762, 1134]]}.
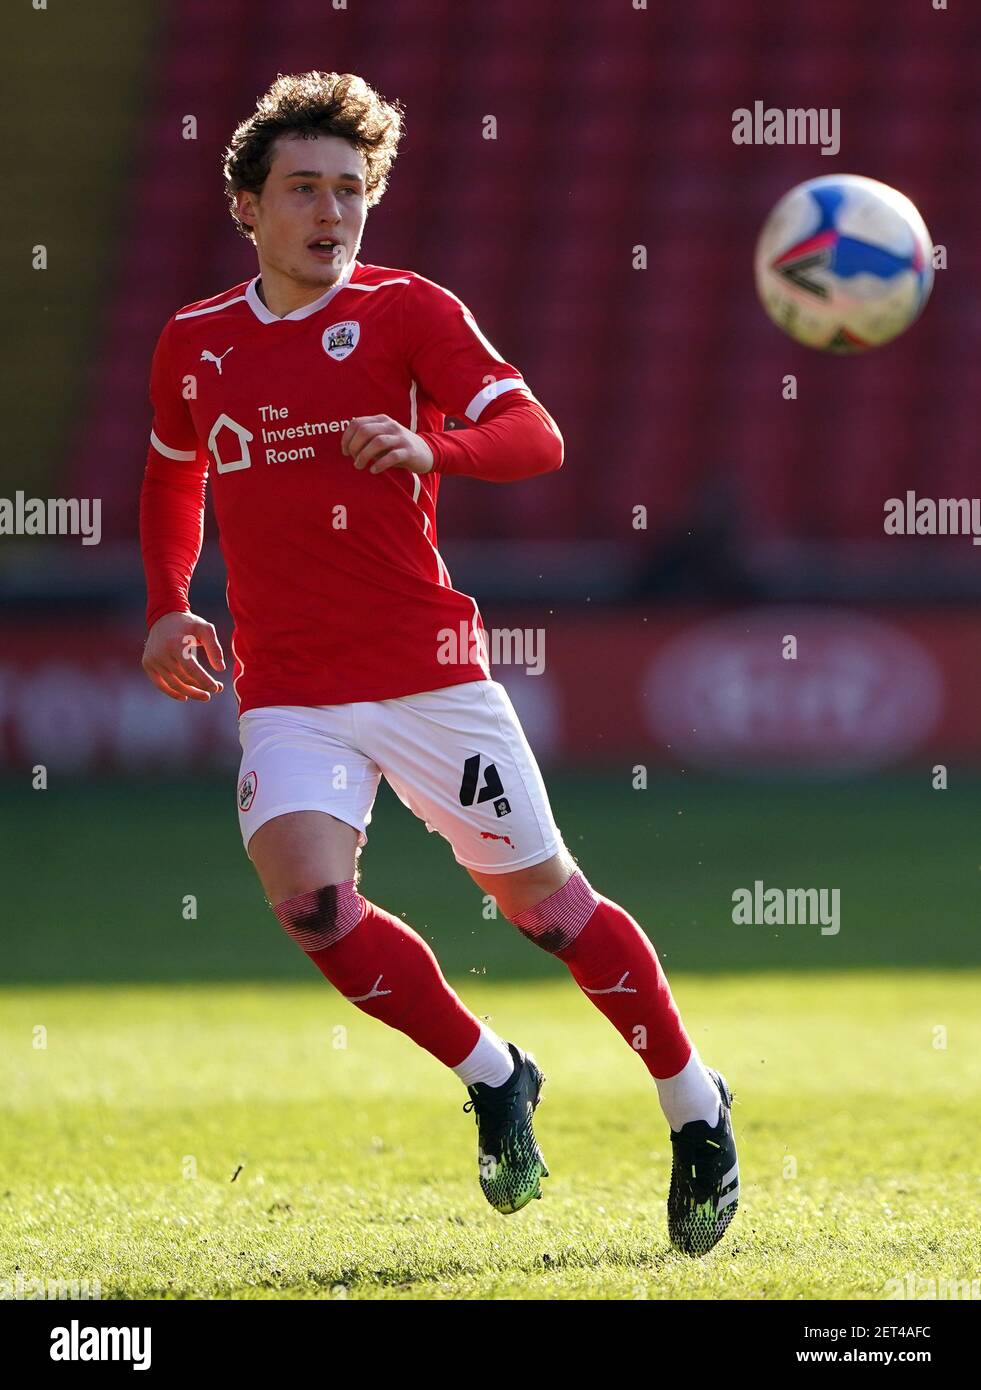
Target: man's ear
{"points": [[245, 207]]}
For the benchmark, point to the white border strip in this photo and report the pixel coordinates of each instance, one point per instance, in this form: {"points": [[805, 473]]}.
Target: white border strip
{"points": [[182, 455], [490, 392], [210, 308]]}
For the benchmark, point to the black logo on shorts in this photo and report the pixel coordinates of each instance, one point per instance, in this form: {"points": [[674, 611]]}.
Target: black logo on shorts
{"points": [[493, 786], [503, 806]]}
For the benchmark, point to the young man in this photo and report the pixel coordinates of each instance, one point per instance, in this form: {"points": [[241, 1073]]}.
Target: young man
{"points": [[316, 395]]}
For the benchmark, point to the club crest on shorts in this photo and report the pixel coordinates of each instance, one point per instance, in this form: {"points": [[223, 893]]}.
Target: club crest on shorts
{"points": [[247, 790], [340, 339]]}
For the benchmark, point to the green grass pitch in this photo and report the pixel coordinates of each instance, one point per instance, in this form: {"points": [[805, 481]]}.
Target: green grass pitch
{"points": [[208, 1119]]}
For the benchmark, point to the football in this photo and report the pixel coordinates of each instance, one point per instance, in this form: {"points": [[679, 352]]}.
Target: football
{"points": [[844, 263]]}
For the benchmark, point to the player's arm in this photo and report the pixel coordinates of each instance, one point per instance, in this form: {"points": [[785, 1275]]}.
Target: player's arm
{"points": [[171, 532], [514, 435]]}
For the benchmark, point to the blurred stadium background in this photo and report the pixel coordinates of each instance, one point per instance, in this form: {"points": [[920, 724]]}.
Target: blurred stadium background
{"points": [[764, 516], [662, 645]]}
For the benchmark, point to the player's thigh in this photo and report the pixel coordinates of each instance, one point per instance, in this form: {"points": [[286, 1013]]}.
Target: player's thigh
{"points": [[459, 759], [302, 851], [305, 796], [520, 889]]}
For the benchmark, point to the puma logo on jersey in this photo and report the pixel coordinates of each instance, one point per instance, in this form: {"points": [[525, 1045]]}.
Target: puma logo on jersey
{"points": [[207, 356]]}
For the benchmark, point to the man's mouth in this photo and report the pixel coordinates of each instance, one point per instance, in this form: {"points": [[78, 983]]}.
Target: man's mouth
{"points": [[325, 248]]}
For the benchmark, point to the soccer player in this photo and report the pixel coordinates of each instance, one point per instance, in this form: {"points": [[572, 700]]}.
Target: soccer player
{"points": [[315, 396]]}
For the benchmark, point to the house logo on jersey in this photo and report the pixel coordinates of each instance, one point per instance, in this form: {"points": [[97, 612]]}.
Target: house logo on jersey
{"points": [[340, 339], [246, 791], [234, 441]]}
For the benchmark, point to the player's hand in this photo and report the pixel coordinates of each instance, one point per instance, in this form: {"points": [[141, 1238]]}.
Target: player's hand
{"points": [[377, 442], [169, 660]]}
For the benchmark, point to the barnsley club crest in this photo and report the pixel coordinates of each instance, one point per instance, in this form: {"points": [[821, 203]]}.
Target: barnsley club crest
{"points": [[340, 339], [246, 791]]}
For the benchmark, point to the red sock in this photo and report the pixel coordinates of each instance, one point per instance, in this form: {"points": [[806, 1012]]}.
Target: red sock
{"points": [[615, 966], [380, 964]]}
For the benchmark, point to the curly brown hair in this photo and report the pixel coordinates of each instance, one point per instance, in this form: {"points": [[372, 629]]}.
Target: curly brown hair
{"points": [[309, 104]]}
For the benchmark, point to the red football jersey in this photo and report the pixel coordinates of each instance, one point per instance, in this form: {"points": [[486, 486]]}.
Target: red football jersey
{"points": [[335, 584]]}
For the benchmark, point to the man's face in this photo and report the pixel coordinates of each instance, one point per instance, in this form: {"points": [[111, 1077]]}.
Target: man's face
{"points": [[314, 193]]}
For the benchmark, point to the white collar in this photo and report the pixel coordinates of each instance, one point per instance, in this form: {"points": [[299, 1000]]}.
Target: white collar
{"points": [[265, 315]]}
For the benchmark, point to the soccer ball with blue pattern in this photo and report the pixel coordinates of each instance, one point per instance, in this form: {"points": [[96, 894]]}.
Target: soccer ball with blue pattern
{"points": [[844, 263]]}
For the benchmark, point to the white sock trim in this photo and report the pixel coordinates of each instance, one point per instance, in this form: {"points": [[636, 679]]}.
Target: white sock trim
{"points": [[690, 1095], [490, 1061]]}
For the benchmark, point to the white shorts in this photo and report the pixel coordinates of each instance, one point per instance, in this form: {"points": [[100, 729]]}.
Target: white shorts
{"points": [[457, 757]]}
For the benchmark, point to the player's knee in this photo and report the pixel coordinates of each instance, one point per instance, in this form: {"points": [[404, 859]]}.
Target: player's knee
{"points": [[322, 917], [557, 920]]}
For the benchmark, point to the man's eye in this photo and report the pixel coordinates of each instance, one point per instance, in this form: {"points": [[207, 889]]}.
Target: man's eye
{"points": [[301, 186]]}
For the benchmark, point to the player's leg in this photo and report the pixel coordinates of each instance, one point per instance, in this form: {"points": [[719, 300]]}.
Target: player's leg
{"points": [[459, 760], [305, 798], [615, 965], [426, 745], [501, 828], [299, 850], [617, 968]]}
